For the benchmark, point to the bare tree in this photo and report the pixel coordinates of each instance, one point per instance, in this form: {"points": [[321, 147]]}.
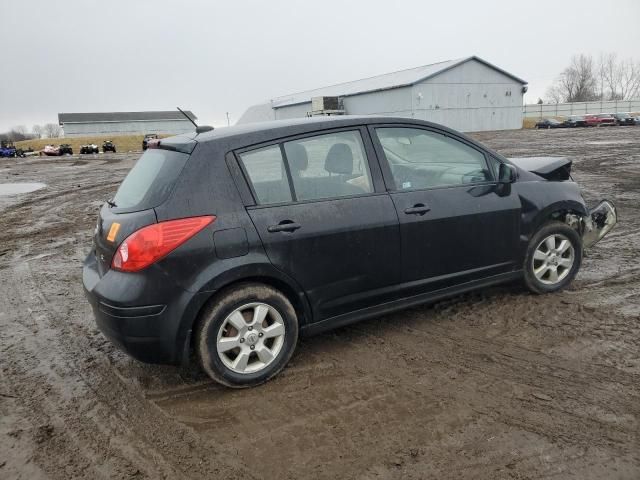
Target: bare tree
{"points": [[21, 130], [16, 134], [554, 94], [620, 79], [38, 131], [52, 130], [576, 83]]}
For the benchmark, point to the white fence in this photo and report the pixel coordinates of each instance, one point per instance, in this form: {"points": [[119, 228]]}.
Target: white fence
{"points": [[579, 108]]}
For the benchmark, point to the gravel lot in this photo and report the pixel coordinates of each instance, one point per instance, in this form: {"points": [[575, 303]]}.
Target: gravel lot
{"points": [[497, 384]]}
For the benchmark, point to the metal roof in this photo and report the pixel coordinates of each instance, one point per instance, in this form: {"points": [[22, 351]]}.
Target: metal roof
{"points": [[98, 117], [402, 78]]}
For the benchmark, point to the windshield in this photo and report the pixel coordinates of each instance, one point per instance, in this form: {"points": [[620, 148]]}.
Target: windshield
{"points": [[150, 181]]}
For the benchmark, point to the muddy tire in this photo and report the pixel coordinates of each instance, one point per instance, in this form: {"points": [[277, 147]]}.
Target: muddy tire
{"points": [[553, 258], [246, 335]]}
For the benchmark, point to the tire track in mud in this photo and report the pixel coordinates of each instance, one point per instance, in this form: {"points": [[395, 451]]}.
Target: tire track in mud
{"points": [[98, 426], [493, 385]]}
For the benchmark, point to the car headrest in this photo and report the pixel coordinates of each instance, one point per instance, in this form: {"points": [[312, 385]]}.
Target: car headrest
{"points": [[297, 156], [339, 159]]}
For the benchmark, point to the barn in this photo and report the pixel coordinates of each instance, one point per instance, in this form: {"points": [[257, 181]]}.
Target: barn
{"points": [[124, 123], [468, 94]]}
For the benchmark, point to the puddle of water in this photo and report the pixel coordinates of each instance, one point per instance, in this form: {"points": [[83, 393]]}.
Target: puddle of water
{"points": [[16, 188], [609, 142]]}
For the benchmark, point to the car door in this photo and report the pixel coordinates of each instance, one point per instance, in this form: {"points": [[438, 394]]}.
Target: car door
{"points": [[455, 225], [325, 219]]}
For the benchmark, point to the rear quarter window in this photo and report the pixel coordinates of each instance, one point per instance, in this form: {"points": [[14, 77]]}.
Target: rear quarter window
{"points": [[150, 181]]}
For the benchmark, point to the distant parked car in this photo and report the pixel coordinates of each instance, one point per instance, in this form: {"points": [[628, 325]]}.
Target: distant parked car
{"points": [[147, 137], [623, 119], [65, 149], [90, 148], [606, 120], [7, 150], [551, 123], [576, 121], [51, 150], [108, 146], [599, 120]]}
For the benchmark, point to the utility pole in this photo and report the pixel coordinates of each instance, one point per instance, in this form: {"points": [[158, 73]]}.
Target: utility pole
{"points": [[228, 123]]}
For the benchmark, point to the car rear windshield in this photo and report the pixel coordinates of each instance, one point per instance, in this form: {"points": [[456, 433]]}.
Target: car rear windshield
{"points": [[150, 181]]}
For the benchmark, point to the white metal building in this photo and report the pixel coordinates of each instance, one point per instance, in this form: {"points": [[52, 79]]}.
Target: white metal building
{"points": [[468, 94], [124, 123]]}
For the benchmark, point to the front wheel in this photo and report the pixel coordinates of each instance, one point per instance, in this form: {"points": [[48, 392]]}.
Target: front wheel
{"points": [[247, 335], [553, 258]]}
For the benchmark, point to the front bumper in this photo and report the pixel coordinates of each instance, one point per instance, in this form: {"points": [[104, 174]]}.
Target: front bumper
{"points": [[598, 223]]}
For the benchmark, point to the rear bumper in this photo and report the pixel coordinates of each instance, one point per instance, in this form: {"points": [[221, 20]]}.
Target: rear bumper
{"points": [[599, 222], [147, 319]]}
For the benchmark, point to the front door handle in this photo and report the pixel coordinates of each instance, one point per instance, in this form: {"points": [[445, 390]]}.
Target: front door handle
{"points": [[284, 226], [417, 209]]}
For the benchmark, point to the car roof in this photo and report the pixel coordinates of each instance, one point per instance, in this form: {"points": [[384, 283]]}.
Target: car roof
{"points": [[249, 134], [301, 125]]}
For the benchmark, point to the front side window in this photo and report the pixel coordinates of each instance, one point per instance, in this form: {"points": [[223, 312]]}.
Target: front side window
{"points": [[267, 175], [421, 159], [328, 166]]}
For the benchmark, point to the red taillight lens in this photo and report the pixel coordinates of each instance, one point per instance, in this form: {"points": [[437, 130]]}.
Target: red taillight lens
{"points": [[151, 243]]}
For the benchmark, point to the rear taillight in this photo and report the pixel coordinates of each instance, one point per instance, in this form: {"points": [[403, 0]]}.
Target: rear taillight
{"points": [[149, 244]]}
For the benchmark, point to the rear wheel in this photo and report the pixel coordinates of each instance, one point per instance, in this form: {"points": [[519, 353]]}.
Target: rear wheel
{"points": [[247, 335], [553, 258]]}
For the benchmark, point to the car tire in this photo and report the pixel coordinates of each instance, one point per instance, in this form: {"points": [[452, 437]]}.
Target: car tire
{"points": [[256, 350], [548, 269]]}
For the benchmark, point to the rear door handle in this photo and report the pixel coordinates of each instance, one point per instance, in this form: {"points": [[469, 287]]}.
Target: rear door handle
{"points": [[417, 209], [284, 226]]}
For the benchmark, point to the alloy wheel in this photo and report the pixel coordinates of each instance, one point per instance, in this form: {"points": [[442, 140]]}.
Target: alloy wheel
{"points": [[250, 338], [553, 259]]}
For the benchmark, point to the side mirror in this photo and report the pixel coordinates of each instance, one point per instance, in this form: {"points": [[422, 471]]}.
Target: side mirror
{"points": [[507, 173]]}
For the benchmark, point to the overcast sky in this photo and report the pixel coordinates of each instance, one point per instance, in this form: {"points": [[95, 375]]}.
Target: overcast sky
{"points": [[222, 56]]}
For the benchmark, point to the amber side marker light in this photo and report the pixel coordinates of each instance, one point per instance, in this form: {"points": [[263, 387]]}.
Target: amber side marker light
{"points": [[146, 246]]}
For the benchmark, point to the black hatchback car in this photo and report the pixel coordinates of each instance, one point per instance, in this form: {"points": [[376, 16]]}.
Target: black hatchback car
{"points": [[623, 119], [230, 244]]}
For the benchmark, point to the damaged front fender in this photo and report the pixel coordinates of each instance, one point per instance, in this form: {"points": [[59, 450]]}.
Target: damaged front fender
{"points": [[597, 224]]}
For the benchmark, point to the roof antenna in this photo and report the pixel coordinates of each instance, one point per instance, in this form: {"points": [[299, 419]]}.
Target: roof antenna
{"points": [[199, 129]]}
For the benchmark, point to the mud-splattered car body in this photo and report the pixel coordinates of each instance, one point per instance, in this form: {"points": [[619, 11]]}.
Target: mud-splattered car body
{"points": [[337, 258]]}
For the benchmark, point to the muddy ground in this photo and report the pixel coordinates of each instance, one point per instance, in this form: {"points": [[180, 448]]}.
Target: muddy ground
{"points": [[497, 384]]}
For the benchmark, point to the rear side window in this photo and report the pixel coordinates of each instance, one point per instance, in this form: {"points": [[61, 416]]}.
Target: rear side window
{"points": [[267, 174], [150, 181], [328, 166]]}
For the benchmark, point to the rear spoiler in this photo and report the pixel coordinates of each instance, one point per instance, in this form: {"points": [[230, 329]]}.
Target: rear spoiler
{"points": [[178, 143]]}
